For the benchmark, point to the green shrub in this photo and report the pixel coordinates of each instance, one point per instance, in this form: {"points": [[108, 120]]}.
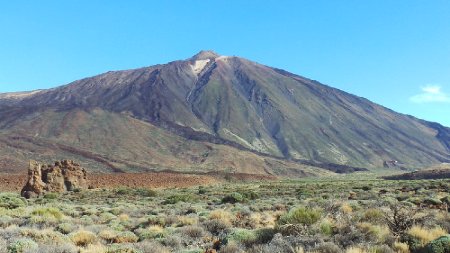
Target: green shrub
{"points": [[264, 235], [243, 236], [106, 217], [48, 212], [122, 249], [328, 247], [440, 245], [415, 200], [216, 226], [83, 238], [144, 192], [373, 215], [250, 237], [51, 195], [432, 201], [446, 200], [122, 191], [301, 215], [326, 228], [193, 231], [178, 198], [366, 188], [10, 201], [65, 228], [5, 221], [126, 237], [233, 198], [201, 190], [304, 193], [22, 245], [152, 232], [251, 195], [382, 249]]}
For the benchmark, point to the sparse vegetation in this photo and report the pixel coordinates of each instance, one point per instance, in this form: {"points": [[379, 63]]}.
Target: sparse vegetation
{"points": [[373, 216]]}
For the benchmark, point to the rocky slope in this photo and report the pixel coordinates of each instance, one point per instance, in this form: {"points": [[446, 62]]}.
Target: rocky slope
{"points": [[213, 112], [440, 171]]}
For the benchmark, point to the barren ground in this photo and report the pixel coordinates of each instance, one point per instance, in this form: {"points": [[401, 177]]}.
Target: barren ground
{"points": [[15, 182]]}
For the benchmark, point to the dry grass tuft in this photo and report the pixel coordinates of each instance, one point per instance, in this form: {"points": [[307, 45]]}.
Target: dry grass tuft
{"points": [[83, 238], [94, 248], [426, 235], [346, 208], [355, 250], [401, 247], [221, 215]]}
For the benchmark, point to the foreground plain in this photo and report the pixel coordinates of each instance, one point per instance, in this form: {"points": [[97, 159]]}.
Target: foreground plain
{"points": [[311, 215]]}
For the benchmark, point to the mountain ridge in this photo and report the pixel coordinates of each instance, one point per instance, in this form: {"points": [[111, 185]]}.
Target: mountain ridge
{"points": [[231, 101]]}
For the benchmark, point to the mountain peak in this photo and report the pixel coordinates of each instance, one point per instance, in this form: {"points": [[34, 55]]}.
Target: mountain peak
{"points": [[205, 54], [211, 99]]}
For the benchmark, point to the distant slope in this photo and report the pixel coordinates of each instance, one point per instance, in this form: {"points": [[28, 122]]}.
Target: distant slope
{"points": [[441, 171], [231, 104], [111, 142]]}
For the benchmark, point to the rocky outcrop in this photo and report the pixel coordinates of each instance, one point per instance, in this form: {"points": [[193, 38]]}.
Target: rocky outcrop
{"points": [[62, 176]]}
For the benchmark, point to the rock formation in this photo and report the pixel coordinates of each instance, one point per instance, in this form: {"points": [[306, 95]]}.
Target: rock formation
{"points": [[62, 176]]}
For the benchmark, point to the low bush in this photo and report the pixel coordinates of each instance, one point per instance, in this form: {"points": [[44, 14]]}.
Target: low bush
{"points": [[173, 199], [425, 235], [125, 237], [48, 212], [439, 245], [144, 192], [51, 195], [250, 195], [381, 249], [65, 228], [153, 247], [326, 227], [233, 198], [193, 231], [108, 235], [152, 232], [328, 247], [22, 245], [301, 215], [399, 218], [55, 248], [242, 236], [222, 215], [82, 238], [432, 201], [10, 201], [401, 247], [216, 226], [173, 242], [116, 248], [373, 215]]}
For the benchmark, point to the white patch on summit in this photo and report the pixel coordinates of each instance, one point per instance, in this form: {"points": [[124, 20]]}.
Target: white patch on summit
{"points": [[222, 57], [199, 65]]}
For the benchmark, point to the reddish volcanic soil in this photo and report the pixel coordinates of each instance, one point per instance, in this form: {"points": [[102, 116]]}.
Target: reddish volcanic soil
{"points": [[12, 182], [15, 182], [150, 180]]}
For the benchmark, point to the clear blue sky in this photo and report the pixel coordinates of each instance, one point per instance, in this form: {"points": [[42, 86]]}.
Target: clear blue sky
{"points": [[395, 53]]}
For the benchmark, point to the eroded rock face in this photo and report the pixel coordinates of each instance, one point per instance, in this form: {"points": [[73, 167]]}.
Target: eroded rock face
{"points": [[62, 176]]}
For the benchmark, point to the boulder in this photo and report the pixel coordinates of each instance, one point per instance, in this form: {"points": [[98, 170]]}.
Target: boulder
{"points": [[62, 176]]}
